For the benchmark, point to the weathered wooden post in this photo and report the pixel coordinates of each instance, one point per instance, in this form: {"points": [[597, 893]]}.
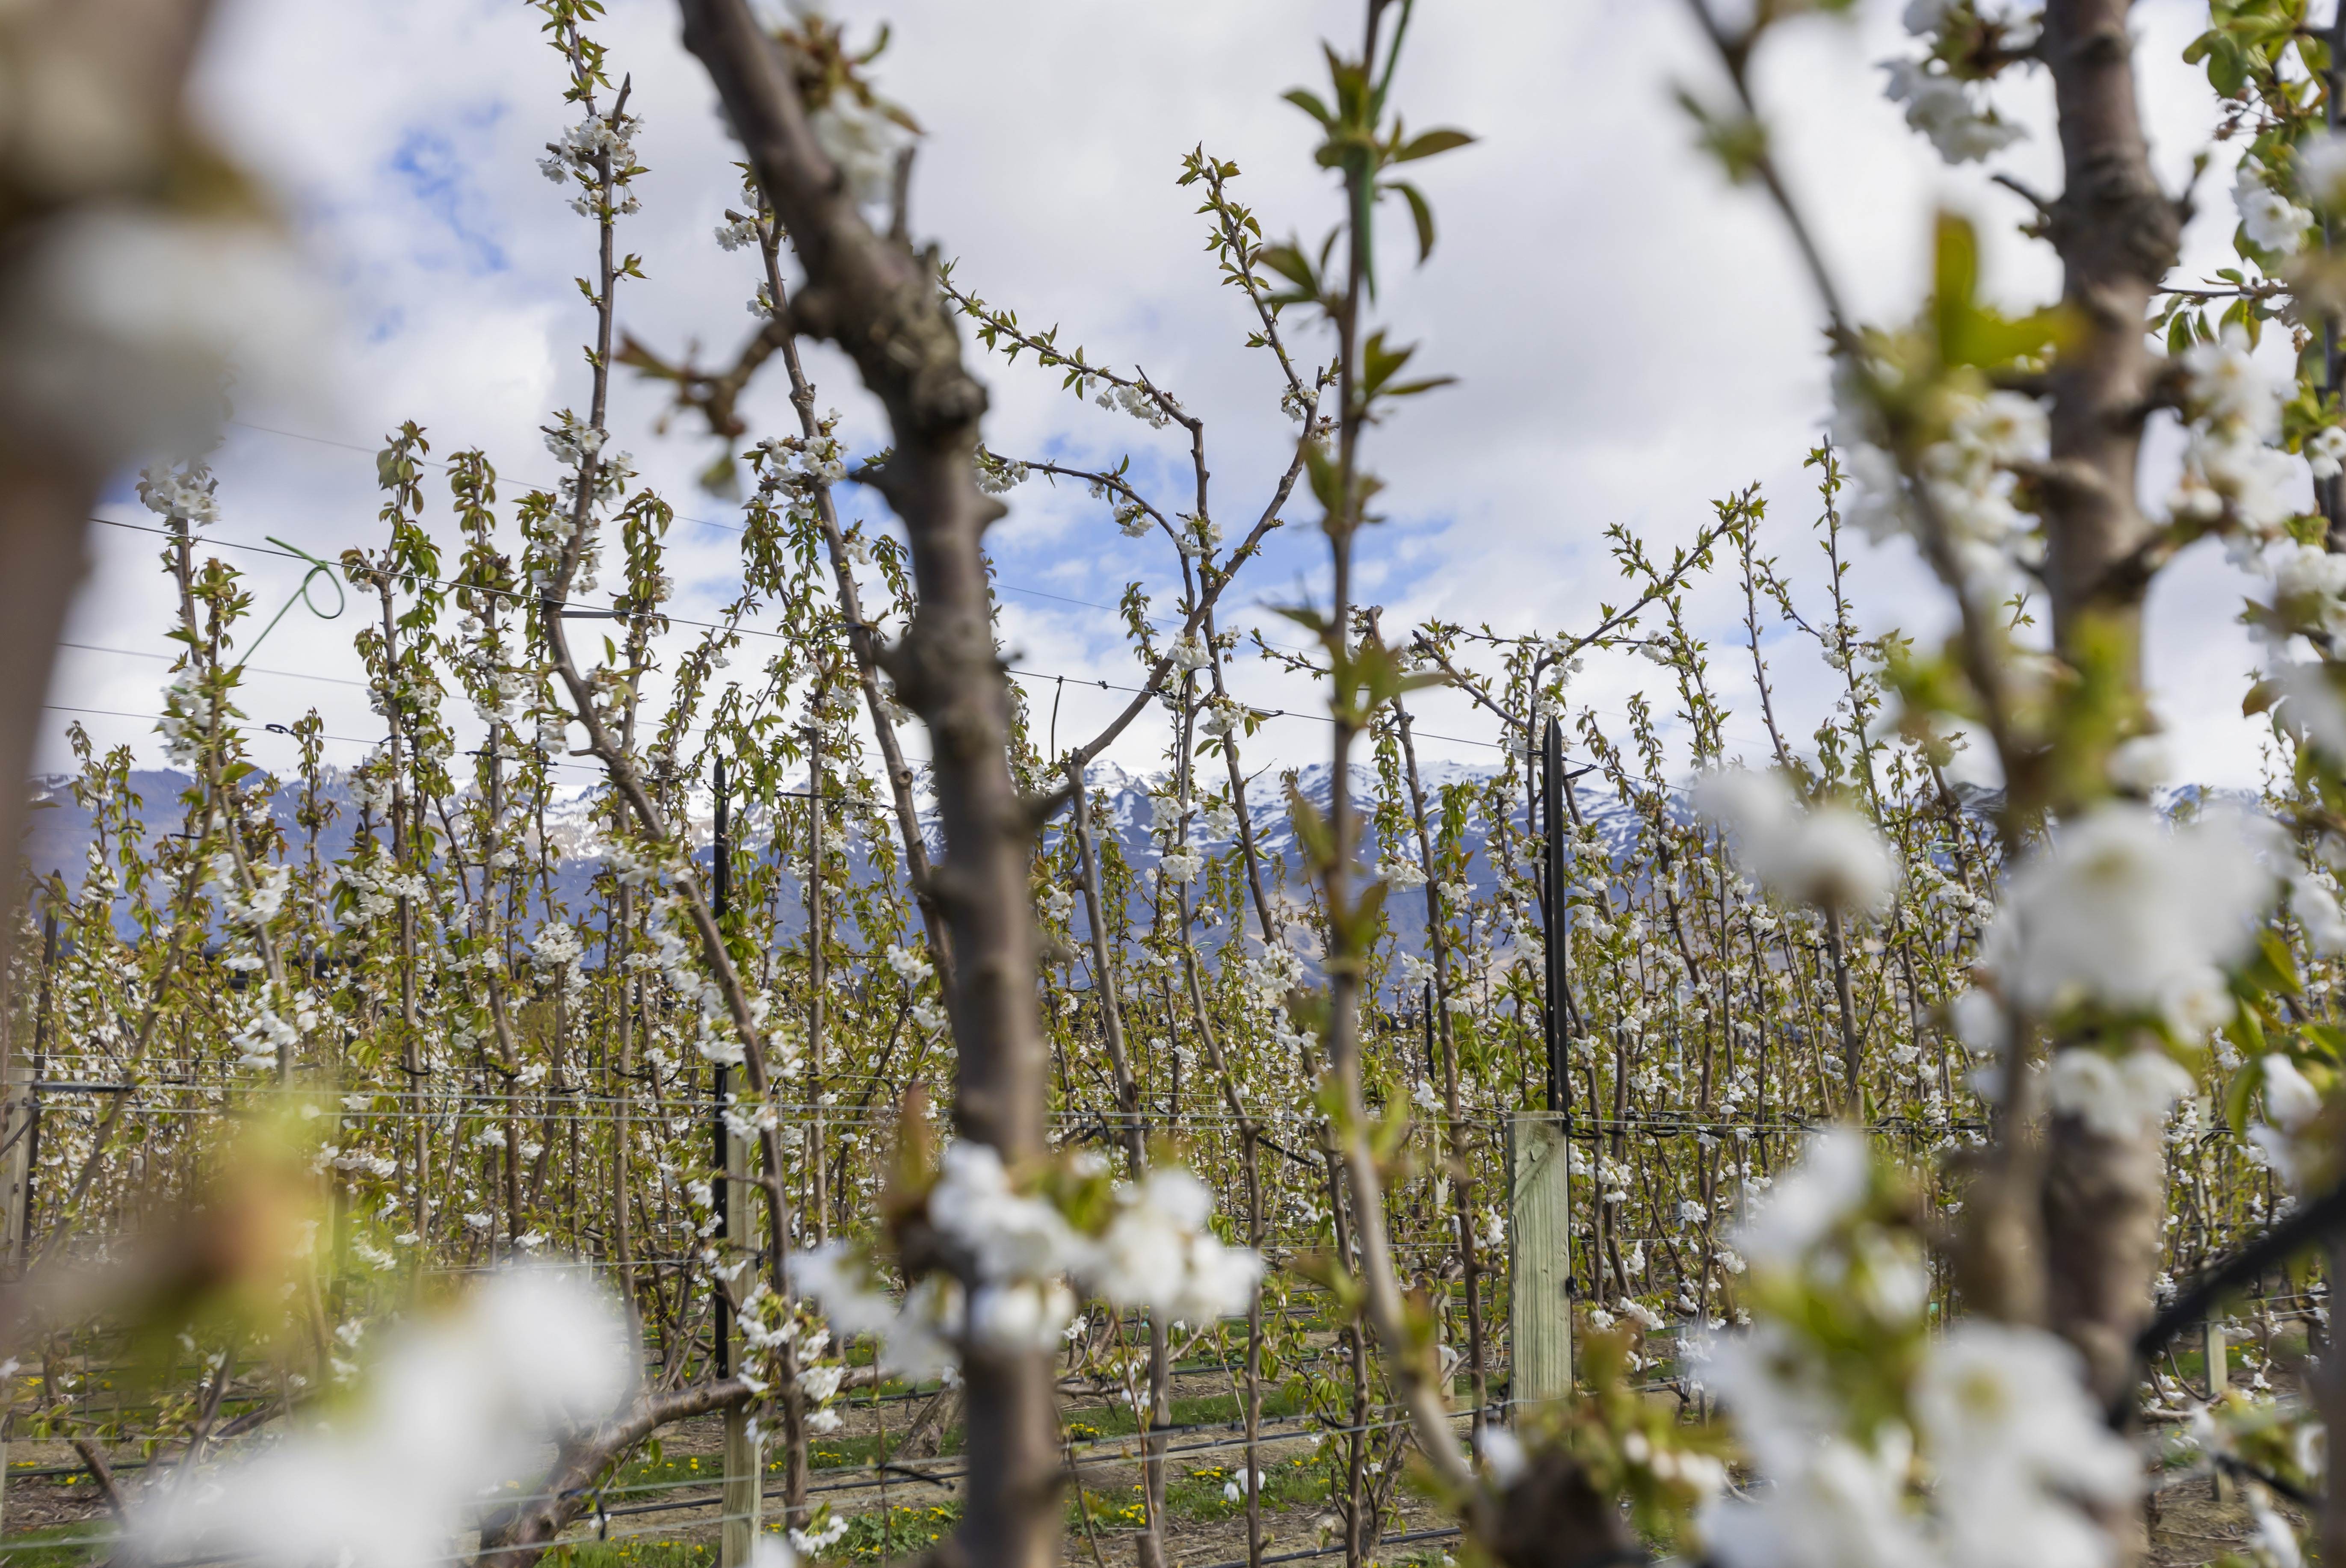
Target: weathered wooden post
{"points": [[1539, 1191], [20, 1115], [2219, 1378], [1539, 1260], [19, 1106]]}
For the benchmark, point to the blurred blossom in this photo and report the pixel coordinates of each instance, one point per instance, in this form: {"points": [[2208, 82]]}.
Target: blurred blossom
{"points": [[2292, 1139], [1941, 107], [2019, 1447], [2312, 704], [1813, 1198], [2273, 221], [2130, 914], [865, 143], [1824, 854], [457, 1404], [2117, 1097], [1980, 1448], [2322, 169], [120, 322]]}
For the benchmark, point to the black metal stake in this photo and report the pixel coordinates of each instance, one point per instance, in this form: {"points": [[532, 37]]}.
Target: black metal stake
{"points": [[1559, 1081], [720, 1185]]}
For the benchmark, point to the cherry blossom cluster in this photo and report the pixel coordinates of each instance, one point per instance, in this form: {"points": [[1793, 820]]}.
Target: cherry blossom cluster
{"points": [[1016, 1247]]}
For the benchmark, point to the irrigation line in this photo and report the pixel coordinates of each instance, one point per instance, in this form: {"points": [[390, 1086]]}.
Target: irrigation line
{"points": [[573, 1106], [1332, 1551], [946, 1478], [1090, 1450]]}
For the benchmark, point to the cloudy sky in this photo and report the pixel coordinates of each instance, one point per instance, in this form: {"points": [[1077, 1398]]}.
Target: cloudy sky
{"points": [[1631, 338]]}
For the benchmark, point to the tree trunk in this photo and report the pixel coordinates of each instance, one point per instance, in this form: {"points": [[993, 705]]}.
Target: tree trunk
{"points": [[881, 303]]}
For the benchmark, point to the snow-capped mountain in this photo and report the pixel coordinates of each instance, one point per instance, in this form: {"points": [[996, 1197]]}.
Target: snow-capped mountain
{"points": [[577, 827]]}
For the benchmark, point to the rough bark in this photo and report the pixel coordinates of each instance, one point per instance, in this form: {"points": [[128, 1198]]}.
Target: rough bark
{"points": [[880, 303], [516, 1537], [2117, 236]]}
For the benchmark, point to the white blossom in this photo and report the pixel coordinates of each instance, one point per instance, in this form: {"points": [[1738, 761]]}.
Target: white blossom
{"points": [[2020, 1449], [1814, 1197], [1012, 1236], [1826, 853], [2325, 451], [2322, 169], [2273, 222], [1157, 1253], [457, 1401], [2117, 1097], [1940, 106], [1401, 875], [863, 143], [2289, 1140], [1137, 401], [2123, 912], [2229, 462]]}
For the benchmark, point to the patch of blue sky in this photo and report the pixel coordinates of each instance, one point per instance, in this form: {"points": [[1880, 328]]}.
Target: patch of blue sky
{"points": [[441, 181]]}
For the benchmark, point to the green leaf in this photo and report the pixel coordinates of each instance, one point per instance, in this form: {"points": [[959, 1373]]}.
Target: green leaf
{"points": [[2228, 68], [1410, 388], [1288, 261], [1303, 615], [2239, 1097], [2178, 334], [2274, 968], [1311, 828], [1431, 143], [1307, 100], [2330, 1038], [1327, 477], [2247, 1032], [1420, 213]]}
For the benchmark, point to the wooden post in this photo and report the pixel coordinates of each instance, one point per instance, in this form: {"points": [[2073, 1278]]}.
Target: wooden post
{"points": [[2219, 1378], [1539, 1258], [744, 1458], [20, 1110]]}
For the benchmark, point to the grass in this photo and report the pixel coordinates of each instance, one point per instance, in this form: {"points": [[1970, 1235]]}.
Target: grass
{"points": [[1209, 1410], [1197, 1494], [60, 1546], [1286, 1483], [901, 1532], [633, 1554]]}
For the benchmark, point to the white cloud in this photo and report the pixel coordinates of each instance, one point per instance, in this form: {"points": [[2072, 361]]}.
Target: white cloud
{"points": [[1633, 337]]}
